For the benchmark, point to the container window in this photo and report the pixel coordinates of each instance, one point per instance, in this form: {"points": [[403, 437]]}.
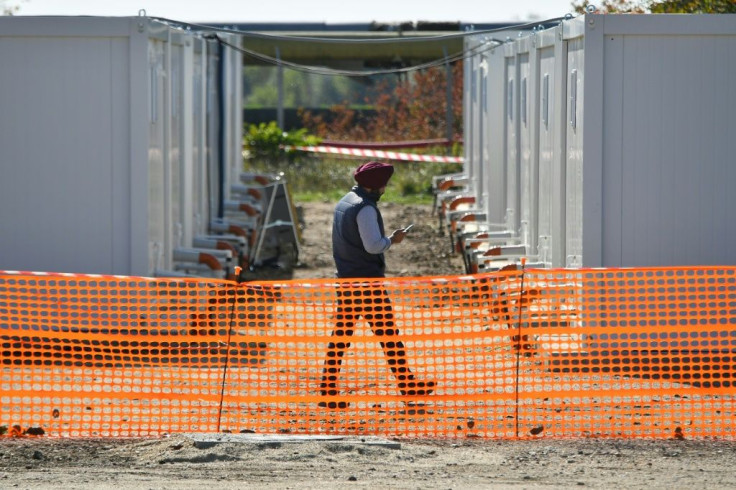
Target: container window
{"points": [[573, 98], [153, 94], [523, 100], [545, 101], [510, 100]]}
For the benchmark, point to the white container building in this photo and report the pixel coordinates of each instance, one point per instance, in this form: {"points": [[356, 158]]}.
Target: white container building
{"points": [[119, 137], [614, 137]]}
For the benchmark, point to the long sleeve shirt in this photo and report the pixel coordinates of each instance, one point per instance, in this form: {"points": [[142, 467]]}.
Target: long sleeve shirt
{"points": [[370, 234]]}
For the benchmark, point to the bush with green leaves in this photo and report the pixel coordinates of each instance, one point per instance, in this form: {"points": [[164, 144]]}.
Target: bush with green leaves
{"points": [[268, 140]]}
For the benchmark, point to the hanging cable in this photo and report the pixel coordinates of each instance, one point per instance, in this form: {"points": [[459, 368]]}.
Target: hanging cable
{"points": [[397, 39], [461, 55], [318, 70]]}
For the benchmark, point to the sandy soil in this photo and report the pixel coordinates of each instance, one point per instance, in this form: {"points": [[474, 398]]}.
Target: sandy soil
{"points": [[177, 463], [423, 253]]}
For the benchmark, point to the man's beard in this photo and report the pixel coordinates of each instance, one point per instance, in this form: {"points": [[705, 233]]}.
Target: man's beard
{"points": [[375, 195]]}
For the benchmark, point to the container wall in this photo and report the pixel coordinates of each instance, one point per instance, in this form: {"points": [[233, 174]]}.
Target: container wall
{"points": [[474, 119], [200, 147], [189, 142], [176, 144], [574, 126], [511, 147], [547, 83], [234, 121], [617, 146], [482, 118], [494, 184], [158, 241], [64, 129], [103, 143], [181, 142], [528, 172], [215, 175], [224, 122], [469, 46], [669, 171]]}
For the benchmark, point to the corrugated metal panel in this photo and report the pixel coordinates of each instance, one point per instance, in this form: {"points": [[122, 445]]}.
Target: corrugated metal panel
{"points": [[60, 177], [189, 143], [482, 158], [158, 258], [632, 132], [474, 119], [671, 173], [175, 146], [213, 116], [483, 169], [467, 105], [512, 140], [233, 115], [199, 141], [548, 127], [574, 153], [527, 160], [97, 143], [494, 181]]}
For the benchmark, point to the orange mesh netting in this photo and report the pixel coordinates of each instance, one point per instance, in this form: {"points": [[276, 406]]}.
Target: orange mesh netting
{"points": [[536, 353]]}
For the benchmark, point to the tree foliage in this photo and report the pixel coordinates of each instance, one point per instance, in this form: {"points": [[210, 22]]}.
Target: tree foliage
{"points": [[694, 7], [301, 89], [659, 6], [413, 108], [8, 9]]}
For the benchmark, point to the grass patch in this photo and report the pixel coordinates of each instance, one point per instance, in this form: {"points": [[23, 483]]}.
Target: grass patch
{"points": [[313, 179]]}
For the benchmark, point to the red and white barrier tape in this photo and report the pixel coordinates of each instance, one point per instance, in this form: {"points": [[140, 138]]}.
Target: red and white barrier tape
{"points": [[388, 145], [389, 155]]}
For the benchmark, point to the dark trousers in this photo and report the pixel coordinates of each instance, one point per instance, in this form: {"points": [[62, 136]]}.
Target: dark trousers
{"points": [[375, 307]]}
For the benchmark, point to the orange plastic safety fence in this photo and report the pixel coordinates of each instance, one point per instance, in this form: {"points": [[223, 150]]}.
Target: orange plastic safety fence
{"points": [[522, 354]]}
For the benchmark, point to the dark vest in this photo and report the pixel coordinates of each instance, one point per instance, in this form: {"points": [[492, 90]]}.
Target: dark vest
{"points": [[351, 257]]}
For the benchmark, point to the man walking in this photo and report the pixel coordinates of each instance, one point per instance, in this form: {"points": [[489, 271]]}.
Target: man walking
{"points": [[358, 246]]}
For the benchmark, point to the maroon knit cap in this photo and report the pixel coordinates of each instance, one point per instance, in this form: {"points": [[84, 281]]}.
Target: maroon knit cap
{"points": [[373, 175]]}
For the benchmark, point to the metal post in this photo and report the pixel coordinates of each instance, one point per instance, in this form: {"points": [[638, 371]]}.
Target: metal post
{"points": [[280, 85], [449, 119]]}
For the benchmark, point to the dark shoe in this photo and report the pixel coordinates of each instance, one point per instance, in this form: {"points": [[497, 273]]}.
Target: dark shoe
{"points": [[334, 405], [416, 388]]}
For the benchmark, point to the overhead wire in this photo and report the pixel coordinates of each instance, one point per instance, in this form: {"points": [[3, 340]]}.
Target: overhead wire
{"points": [[401, 39], [321, 70]]}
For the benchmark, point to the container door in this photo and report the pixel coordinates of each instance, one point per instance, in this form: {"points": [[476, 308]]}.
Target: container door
{"points": [[482, 157], [175, 216], [574, 154], [546, 130], [527, 160], [213, 132], [494, 184], [187, 143], [511, 111], [157, 258], [199, 138], [472, 165]]}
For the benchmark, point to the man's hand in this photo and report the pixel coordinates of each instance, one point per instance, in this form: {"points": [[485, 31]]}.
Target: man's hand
{"points": [[397, 236]]}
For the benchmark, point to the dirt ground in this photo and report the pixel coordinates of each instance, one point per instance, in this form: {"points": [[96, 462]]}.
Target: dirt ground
{"points": [[423, 253], [175, 462]]}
